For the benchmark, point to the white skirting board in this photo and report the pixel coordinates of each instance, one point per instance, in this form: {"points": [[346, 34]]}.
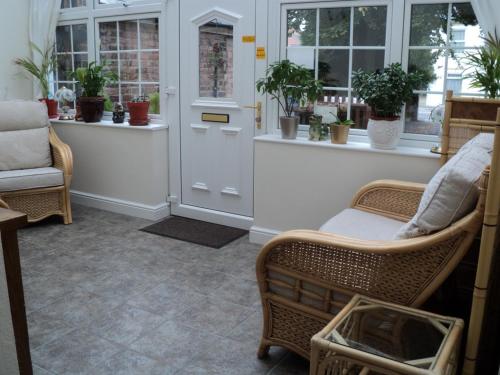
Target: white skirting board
{"points": [[260, 236], [120, 206]]}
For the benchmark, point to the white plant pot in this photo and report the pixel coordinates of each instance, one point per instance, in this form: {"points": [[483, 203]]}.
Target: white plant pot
{"points": [[384, 134]]}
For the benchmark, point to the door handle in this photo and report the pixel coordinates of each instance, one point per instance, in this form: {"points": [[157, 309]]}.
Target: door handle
{"points": [[258, 113]]}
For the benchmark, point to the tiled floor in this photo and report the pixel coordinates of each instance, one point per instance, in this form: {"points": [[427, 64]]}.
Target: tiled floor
{"points": [[104, 298]]}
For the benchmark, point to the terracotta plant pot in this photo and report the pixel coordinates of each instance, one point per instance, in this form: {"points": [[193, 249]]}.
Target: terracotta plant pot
{"points": [[138, 113], [51, 107], [92, 108], [339, 133]]}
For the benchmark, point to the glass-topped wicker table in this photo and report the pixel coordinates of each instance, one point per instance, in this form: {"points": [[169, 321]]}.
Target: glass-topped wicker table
{"points": [[374, 337]]}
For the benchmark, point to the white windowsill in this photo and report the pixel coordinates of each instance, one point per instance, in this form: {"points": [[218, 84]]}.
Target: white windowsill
{"points": [[351, 145], [110, 124]]}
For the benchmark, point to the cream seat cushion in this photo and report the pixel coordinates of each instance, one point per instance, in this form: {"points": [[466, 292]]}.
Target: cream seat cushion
{"points": [[452, 192], [362, 225], [30, 179]]}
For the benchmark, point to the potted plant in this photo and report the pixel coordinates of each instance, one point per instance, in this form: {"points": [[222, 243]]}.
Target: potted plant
{"points": [[486, 65], [339, 129], [385, 92], [41, 73], [288, 83], [92, 79], [138, 108]]}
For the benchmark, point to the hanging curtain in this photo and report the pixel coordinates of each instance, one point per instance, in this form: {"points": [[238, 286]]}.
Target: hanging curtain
{"points": [[42, 27], [488, 15]]}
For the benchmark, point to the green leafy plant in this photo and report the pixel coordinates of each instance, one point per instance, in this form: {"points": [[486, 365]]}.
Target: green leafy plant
{"points": [[40, 72], [342, 122], [386, 92], [154, 103], [139, 99], [486, 65], [288, 84], [94, 78]]}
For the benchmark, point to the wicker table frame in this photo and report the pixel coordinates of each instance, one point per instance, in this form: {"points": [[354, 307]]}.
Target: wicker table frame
{"points": [[41, 203], [329, 358]]}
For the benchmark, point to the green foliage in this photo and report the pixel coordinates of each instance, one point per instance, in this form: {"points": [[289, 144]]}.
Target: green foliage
{"points": [[386, 92], [486, 65], [40, 72], [108, 103], [288, 83], [154, 103], [94, 78]]}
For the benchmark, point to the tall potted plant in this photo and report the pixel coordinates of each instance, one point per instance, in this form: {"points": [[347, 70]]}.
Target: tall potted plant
{"points": [[41, 73], [486, 65], [92, 79], [288, 83], [385, 92]]}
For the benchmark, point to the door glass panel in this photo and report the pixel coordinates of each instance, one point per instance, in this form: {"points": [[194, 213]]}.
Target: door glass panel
{"points": [[369, 26], [301, 26], [334, 26], [428, 24], [216, 59]]}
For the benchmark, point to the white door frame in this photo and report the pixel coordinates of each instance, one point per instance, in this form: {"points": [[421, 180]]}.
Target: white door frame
{"points": [[174, 118]]}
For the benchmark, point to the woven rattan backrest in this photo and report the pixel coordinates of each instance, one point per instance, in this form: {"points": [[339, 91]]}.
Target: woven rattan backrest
{"points": [[465, 118]]}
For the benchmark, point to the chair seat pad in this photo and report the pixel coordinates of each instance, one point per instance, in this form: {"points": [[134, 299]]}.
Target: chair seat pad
{"points": [[22, 179], [362, 225]]}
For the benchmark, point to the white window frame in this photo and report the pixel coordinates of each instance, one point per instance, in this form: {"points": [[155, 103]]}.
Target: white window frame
{"points": [[137, 9]]}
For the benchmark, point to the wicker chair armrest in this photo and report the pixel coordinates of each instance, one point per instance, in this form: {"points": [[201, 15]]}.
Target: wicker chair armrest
{"points": [[61, 155], [395, 199], [405, 271]]}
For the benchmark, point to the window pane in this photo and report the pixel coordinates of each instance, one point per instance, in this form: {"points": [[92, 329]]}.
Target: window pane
{"points": [[128, 93], [78, 3], [304, 56], [465, 31], [111, 61], [360, 112], [216, 59], [328, 105], [112, 92], [81, 60], [150, 66], [153, 93], [368, 60], [334, 26], [428, 24], [63, 38], [333, 67], [418, 114], [129, 66], [107, 35], [430, 63], [149, 33], [80, 38], [65, 4], [128, 34], [369, 26], [459, 69], [64, 67], [301, 26]]}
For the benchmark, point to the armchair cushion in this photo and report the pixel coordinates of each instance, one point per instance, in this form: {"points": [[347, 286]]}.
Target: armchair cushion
{"points": [[22, 149], [452, 193], [22, 115], [22, 179], [362, 225]]}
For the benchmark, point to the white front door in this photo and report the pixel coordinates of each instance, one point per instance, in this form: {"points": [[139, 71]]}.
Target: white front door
{"points": [[217, 81]]}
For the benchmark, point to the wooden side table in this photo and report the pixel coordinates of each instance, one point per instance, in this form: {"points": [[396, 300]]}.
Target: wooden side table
{"points": [[373, 337]]}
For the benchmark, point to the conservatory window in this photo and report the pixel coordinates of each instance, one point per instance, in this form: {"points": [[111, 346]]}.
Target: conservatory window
{"points": [[65, 4]]}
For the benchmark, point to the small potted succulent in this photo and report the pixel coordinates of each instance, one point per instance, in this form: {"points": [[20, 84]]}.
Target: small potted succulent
{"points": [[138, 109], [288, 84], [385, 92], [339, 129], [41, 73], [93, 79]]}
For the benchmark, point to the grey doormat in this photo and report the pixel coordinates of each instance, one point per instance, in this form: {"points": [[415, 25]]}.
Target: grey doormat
{"points": [[195, 231]]}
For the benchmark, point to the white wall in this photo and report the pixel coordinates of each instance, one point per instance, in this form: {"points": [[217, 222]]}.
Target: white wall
{"points": [[123, 170], [15, 43], [299, 184]]}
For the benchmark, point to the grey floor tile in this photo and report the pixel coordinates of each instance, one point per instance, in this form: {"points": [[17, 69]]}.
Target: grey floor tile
{"points": [[44, 329], [249, 331], [42, 290], [292, 364], [132, 363], [74, 353], [125, 324], [37, 370], [237, 290]]}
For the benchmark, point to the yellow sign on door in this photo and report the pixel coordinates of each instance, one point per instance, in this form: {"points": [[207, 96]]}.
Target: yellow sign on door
{"points": [[260, 53], [248, 38]]}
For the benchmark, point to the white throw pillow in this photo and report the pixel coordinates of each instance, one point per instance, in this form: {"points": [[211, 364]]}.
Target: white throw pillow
{"points": [[22, 149], [452, 192]]}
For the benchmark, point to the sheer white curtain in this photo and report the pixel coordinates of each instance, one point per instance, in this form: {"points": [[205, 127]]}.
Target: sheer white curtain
{"points": [[488, 15], [42, 27]]}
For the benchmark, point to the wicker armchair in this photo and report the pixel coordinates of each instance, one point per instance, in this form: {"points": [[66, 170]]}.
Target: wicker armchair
{"points": [[305, 277], [51, 199]]}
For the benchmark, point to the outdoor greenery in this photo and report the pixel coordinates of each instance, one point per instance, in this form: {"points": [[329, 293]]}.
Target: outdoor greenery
{"points": [[154, 103], [93, 79], [40, 72], [486, 65], [386, 92], [289, 83]]}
